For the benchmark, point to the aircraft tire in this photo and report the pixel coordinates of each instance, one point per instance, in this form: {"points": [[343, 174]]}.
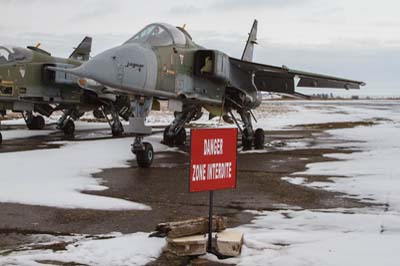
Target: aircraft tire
{"points": [[180, 138], [247, 141], [98, 114], [1, 138], [259, 139], [117, 129], [36, 123], [197, 116], [39, 122], [30, 123], [168, 140], [69, 128], [145, 158]]}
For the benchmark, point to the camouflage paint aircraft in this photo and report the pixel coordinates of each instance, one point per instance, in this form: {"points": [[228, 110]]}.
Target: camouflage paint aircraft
{"points": [[163, 62], [26, 86]]}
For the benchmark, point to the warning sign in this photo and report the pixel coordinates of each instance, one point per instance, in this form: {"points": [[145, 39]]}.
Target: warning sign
{"points": [[213, 159]]}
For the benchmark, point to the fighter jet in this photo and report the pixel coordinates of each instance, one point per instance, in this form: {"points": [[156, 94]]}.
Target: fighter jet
{"points": [[26, 86], [163, 62]]}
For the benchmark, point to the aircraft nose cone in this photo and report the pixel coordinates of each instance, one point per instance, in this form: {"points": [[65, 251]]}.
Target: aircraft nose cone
{"points": [[129, 67], [103, 68]]}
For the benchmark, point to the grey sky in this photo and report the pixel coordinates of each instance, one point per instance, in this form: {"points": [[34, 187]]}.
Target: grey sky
{"points": [[352, 38]]}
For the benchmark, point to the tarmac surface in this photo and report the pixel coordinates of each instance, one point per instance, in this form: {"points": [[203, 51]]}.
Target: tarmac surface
{"points": [[164, 187]]}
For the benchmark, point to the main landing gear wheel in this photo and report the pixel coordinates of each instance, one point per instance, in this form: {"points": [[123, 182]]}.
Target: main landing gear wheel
{"points": [[259, 139], [97, 113], [117, 129], [167, 139], [35, 123], [145, 157], [178, 139], [247, 140], [69, 128]]}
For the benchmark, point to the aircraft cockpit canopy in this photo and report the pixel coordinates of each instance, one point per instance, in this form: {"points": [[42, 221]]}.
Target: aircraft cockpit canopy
{"points": [[159, 34], [14, 54]]}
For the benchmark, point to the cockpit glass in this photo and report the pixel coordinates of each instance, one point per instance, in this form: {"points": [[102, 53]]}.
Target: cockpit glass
{"points": [[159, 35], [14, 54]]}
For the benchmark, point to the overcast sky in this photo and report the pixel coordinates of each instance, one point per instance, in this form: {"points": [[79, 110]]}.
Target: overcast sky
{"points": [[358, 39]]}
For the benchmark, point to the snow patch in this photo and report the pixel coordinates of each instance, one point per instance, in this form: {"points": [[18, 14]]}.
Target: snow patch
{"points": [[116, 249], [61, 174]]}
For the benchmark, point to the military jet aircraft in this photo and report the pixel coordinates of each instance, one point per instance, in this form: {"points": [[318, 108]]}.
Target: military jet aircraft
{"points": [[163, 62], [26, 86]]}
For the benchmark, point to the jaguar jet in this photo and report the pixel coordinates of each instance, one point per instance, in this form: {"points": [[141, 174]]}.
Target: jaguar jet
{"points": [[26, 86], [163, 62]]}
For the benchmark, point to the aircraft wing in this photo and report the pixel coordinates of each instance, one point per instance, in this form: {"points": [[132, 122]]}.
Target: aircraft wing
{"points": [[285, 80]]}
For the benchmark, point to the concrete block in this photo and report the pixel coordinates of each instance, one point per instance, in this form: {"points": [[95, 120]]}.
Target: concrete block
{"points": [[190, 227], [229, 243], [188, 246]]}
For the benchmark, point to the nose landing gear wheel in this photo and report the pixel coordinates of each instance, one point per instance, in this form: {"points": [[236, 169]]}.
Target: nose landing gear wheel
{"points": [[259, 139], [145, 157], [69, 128]]}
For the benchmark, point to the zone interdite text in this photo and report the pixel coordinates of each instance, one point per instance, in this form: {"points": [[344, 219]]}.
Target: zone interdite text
{"points": [[212, 171]]}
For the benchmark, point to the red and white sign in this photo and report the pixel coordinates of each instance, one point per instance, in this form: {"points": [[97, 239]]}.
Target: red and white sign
{"points": [[213, 159]]}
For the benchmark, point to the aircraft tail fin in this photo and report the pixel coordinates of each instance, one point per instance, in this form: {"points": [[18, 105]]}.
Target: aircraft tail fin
{"points": [[251, 41], [82, 52]]}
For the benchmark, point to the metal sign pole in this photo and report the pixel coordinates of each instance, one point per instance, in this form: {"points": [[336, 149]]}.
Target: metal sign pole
{"points": [[210, 221]]}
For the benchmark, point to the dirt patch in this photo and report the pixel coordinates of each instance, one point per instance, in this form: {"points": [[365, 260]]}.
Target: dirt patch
{"points": [[60, 263], [337, 125]]}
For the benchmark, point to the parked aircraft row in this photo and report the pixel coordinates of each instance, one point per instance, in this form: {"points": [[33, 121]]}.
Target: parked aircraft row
{"points": [[161, 62]]}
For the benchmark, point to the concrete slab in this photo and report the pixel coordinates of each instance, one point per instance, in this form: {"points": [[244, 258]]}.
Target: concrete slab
{"points": [[188, 246], [229, 242]]}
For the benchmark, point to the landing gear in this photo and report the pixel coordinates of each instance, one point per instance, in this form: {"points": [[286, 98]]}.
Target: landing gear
{"points": [[98, 113], [143, 150], [117, 129], [175, 134], [66, 121], [1, 136], [247, 132], [33, 122], [176, 139], [247, 140], [69, 128], [250, 137], [115, 123], [144, 153], [259, 139]]}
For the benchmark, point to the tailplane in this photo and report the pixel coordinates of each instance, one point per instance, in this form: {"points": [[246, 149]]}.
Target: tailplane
{"points": [[82, 52], [251, 41]]}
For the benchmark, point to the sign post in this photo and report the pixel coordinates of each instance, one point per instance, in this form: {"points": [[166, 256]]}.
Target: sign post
{"points": [[213, 164], [210, 220]]}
